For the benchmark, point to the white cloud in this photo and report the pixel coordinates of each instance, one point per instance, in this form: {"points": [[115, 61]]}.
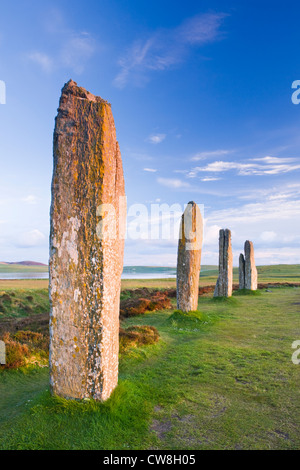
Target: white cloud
{"points": [[30, 199], [273, 225], [167, 48], [210, 178], [275, 193], [73, 48], [173, 183], [150, 170], [76, 51], [30, 239], [274, 160], [268, 236], [267, 166], [42, 60], [281, 255], [156, 139], [201, 28], [211, 234], [211, 154]]}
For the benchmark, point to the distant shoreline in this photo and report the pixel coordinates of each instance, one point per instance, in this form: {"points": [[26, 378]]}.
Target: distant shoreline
{"points": [[284, 271]]}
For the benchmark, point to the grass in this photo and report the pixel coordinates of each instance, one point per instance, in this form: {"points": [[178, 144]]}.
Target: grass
{"points": [[23, 302], [219, 378], [21, 268]]}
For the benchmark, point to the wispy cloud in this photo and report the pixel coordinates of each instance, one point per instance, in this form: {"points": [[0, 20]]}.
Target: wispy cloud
{"points": [[77, 50], [274, 160], [210, 178], [262, 166], [42, 60], [167, 48], [211, 154], [73, 48], [30, 239], [272, 226], [173, 183], [268, 236], [290, 192], [156, 138], [30, 199], [150, 170]]}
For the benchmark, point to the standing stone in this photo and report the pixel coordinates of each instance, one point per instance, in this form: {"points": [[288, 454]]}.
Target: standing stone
{"points": [[224, 282], [189, 258], [250, 268], [242, 271], [85, 265]]}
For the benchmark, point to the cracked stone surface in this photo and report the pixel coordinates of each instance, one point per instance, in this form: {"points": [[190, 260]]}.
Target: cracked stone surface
{"points": [[247, 268], [224, 282], [250, 268], [189, 258], [85, 266], [242, 271]]}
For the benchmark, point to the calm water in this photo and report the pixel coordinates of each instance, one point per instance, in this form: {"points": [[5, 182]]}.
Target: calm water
{"points": [[24, 275], [126, 275]]}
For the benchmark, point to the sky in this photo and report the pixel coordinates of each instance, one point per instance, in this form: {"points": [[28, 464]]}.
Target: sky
{"points": [[201, 93]]}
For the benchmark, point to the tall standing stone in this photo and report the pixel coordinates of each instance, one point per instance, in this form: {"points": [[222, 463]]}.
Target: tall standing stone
{"points": [[86, 257], [224, 283], [189, 258], [250, 268], [242, 271]]}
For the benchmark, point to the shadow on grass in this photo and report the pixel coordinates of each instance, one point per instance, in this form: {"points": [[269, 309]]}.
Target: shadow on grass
{"points": [[188, 321], [241, 292], [225, 300]]}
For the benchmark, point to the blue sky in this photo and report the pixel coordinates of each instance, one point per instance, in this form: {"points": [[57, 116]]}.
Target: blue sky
{"points": [[201, 96]]}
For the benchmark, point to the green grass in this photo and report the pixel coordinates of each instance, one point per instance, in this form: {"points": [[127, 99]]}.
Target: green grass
{"points": [[284, 272], [20, 268], [220, 378], [21, 302]]}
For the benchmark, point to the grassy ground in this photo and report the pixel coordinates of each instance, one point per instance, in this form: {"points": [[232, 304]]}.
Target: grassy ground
{"points": [[23, 302], [20, 268], [221, 378]]}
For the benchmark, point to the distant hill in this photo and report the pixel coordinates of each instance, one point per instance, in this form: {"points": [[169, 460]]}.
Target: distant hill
{"points": [[24, 263], [29, 263]]}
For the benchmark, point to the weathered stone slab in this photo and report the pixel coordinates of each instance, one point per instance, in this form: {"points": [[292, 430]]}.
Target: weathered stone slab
{"points": [[250, 268], [85, 263], [224, 283], [242, 271], [189, 258]]}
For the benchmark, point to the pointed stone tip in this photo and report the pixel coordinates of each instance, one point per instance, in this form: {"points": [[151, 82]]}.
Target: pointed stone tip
{"points": [[71, 82], [70, 85], [72, 88]]}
